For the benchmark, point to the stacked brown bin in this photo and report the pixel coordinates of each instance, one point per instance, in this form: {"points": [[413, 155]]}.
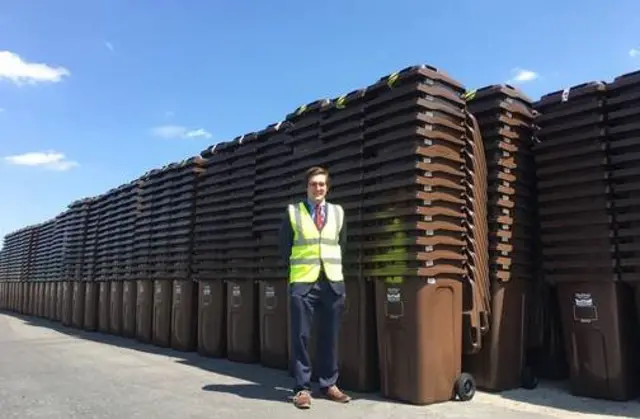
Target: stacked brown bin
{"points": [[54, 270], [81, 311], [505, 119], [577, 233], [413, 230], [340, 149], [225, 259], [623, 126], [276, 176], [73, 223], [163, 258], [41, 261], [96, 292]]}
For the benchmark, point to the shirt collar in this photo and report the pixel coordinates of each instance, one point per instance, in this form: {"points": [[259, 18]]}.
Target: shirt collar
{"points": [[312, 205]]}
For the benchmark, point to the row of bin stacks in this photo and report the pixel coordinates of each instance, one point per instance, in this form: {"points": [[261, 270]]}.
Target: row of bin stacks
{"points": [[578, 234], [505, 120], [43, 268], [413, 245], [166, 296]]}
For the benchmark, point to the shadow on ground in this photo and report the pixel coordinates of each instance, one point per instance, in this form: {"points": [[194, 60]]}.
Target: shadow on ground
{"points": [[260, 382]]}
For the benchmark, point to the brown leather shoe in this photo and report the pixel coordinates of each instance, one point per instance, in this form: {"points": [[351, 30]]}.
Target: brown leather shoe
{"points": [[302, 399], [333, 393]]}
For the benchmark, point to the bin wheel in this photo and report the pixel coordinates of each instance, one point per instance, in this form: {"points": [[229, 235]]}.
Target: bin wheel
{"points": [[529, 379], [465, 387]]}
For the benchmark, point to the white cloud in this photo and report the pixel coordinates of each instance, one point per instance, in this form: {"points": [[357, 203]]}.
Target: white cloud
{"points": [[51, 160], [20, 71], [634, 52], [1, 110], [109, 46], [179, 131], [521, 75]]}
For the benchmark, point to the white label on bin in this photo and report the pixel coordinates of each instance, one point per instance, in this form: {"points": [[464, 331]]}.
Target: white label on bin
{"points": [[428, 248], [505, 153], [428, 218], [428, 141], [393, 295], [430, 232], [509, 114], [427, 188], [583, 300], [429, 263], [431, 280], [158, 288], [235, 291], [427, 159], [269, 291], [428, 174], [178, 289], [206, 290], [507, 170]]}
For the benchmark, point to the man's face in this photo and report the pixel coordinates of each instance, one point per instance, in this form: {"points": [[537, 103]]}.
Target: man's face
{"points": [[317, 188]]}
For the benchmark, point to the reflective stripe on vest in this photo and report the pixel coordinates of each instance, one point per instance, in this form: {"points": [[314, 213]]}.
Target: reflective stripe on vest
{"points": [[313, 249]]}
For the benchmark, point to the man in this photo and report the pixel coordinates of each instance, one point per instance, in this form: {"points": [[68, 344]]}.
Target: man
{"points": [[313, 241]]}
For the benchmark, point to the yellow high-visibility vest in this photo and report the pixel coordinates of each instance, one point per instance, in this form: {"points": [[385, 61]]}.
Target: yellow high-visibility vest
{"points": [[313, 249]]}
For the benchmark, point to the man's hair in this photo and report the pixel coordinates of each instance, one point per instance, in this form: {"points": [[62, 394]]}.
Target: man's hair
{"points": [[317, 170]]}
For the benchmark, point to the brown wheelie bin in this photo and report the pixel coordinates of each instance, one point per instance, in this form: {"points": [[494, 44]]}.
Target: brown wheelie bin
{"points": [[60, 300], [242, 320], [162, 307], [129, 289], [600, 334], [104, 306], [91, 304], [144, 310], [78, 304], [115, 307], [67, 302], [184, 322], [274, 339], [212, 324]]}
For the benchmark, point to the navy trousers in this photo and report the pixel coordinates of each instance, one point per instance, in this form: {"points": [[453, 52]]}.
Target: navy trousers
{"points": [[322, 301]]}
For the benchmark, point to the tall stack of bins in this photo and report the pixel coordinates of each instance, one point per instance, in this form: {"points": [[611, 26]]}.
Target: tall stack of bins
{"points": [[87, 267], [340, 149], [28, 240], [125, 210], [3, 278], [13, 254], [225, 248], [164, 249], [276, 174], [54, 271], [96, 292], [73, 222], [505, 118], [61, 249], [413, 232], [577, 233], [42, 265], [623, 126]]}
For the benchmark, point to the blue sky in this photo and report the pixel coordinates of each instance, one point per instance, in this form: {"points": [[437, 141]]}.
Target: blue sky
{"points": [[95, 93]]}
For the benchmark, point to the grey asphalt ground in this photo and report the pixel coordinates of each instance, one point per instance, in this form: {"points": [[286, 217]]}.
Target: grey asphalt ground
{"points": [[50, 371]]}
